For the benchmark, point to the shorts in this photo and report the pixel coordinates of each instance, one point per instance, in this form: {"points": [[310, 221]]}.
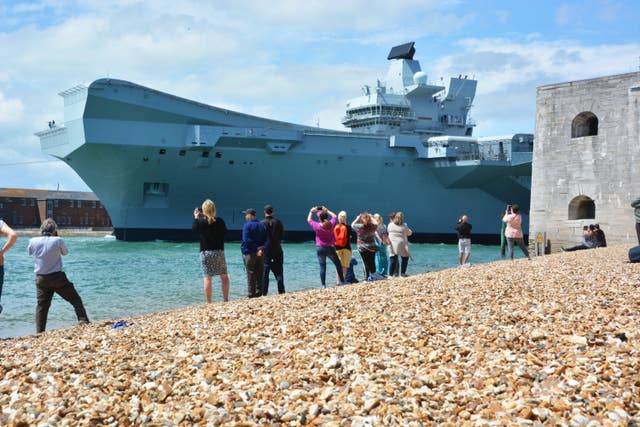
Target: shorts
{"points": [[213, 262], [344, 255], [464, 246]]}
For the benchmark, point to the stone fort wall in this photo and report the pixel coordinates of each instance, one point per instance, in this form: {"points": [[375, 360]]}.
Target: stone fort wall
{"points": [[586, 159]]}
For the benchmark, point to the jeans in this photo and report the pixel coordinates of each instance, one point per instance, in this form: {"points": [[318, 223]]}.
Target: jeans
{"points": [[254, 265], [382, 262], [46, 286], [325, 252], [273, 264], [393, 265], [518, 241]]}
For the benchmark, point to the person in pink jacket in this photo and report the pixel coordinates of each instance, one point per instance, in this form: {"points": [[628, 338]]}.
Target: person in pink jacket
{"points": [[513, 231], [325, 241]]}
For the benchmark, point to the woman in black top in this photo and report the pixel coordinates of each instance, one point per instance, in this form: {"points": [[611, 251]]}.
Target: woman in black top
{"points": [[212, 231]]}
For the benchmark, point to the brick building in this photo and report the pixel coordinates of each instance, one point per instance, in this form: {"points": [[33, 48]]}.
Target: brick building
{"points": [[71, 209]]}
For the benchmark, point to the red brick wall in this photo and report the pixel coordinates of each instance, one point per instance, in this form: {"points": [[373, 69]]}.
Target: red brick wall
{"points": [[23, 212]]}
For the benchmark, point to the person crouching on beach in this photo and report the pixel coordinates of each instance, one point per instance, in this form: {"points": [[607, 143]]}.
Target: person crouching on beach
{"points": [[211, 231], [365, 227], [325, 241], [47, 251]]}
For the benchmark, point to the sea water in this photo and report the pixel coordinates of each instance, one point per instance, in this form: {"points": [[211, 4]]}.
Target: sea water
{"points": [[118, 280]]}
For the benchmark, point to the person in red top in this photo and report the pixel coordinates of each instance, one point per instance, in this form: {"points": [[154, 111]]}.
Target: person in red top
{"points": [[342, 233]]}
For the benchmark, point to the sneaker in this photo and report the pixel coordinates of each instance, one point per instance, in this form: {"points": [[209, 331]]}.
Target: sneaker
{"points": [[324, 286], [405, 275]]}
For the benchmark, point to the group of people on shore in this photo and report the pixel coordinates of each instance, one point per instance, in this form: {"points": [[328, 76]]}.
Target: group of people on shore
{"points": [[384, 250]]}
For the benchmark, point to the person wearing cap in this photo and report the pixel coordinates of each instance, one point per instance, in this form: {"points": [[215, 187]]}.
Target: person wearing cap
{"points": [[11, 236], [255, 240], [273, 255]]}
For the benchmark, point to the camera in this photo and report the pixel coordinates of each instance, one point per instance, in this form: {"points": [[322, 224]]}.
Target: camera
{"points": [[319, 208], [585, 228], [198, 208]]}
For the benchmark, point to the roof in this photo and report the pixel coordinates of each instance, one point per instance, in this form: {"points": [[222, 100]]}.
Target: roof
{"points": [[48, 194]]}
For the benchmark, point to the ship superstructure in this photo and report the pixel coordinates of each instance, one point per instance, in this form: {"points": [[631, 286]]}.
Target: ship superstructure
{"points": [[152, 157]]}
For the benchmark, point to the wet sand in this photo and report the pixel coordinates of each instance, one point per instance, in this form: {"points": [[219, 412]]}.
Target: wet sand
{"points": [[551, 341]]}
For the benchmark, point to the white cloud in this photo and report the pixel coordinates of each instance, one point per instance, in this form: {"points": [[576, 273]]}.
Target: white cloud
{"points": [[286, 60], [11, 110]]}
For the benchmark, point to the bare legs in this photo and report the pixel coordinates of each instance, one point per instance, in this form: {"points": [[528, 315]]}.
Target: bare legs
{"points": [[207, 288], [225, 287]]}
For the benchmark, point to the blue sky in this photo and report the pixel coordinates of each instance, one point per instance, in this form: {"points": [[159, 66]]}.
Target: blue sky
{"points": [[292, 60]]}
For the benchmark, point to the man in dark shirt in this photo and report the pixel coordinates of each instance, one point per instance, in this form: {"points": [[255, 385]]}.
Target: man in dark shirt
{"points": [[273, 256], [464, 239], [255, 240]]}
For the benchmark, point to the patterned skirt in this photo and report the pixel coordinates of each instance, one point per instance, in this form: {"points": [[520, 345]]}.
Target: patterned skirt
{"points": [[213, 262]]}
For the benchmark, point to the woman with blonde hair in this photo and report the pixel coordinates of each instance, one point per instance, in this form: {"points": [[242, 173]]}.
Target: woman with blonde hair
{"points": [[342, 233], [399, 232], [211, 231], [382, 261]]}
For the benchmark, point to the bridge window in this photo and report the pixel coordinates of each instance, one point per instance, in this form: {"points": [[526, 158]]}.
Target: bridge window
{"points": [[584, 124], [582, 207]]}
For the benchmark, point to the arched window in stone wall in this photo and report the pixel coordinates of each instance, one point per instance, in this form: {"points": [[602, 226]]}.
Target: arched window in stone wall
{"points": [[584, 124], [582, 207]]}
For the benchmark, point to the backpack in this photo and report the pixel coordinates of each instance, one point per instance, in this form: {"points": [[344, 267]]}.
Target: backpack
{"points": [[341, 232], [634, 254]]}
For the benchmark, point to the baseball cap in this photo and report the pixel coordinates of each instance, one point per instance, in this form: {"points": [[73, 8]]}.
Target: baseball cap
{"points": [[249, 211], [268, 209]]}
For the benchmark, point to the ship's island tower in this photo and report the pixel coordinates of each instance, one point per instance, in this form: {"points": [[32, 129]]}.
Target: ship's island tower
{"points": [[406, 103]]}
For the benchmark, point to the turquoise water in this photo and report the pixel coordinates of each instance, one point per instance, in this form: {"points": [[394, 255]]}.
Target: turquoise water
{"points": [[123, 279]]}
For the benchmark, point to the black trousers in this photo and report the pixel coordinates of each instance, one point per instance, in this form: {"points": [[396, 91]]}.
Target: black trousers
{"points": [[254, 265], [369, 261], [56, 283], [273, 263], [638, 231]]}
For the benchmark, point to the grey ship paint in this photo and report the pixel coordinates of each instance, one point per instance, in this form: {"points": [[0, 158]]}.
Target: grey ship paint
{"points": [[152, 157]]}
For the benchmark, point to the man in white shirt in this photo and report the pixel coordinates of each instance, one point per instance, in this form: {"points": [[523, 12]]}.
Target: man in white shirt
{"points": [[47, 251], [11, 236]]}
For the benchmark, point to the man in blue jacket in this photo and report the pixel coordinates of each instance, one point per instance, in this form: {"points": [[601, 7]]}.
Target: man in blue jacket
{"points": [[255, 240]]}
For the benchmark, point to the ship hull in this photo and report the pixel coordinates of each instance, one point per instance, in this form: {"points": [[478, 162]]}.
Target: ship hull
{"points": [[152, 158]]}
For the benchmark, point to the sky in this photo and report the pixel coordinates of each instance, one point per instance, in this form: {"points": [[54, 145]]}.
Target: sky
{"points": [[297, 61]]}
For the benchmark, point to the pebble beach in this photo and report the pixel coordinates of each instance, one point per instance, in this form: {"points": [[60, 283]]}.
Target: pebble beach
{"points": [[552, 341]]}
